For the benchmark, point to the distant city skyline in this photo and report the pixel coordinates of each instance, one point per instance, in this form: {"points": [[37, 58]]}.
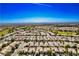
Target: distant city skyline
{"points": [[39, 12]]}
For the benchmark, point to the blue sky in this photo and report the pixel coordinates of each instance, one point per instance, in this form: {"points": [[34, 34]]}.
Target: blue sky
{"points": [[38, 12]]}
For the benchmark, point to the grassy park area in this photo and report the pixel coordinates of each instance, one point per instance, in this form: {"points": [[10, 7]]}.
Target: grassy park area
{"points": [[25, 28], [5, 31], [65, 33]]}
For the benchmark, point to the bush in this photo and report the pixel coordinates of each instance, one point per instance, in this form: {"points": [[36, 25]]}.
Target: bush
{"points": [[16, 46], [77, 33], [1, 38], [74, 46], [49, 52], [8, 54], [4, 45], [54, 54], [67, 46], [20, 52], [12, 40]]}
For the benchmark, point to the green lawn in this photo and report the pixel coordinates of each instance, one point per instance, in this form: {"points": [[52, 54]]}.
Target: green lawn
{"points": [[25, 28], [64, 33], [4, 32]]}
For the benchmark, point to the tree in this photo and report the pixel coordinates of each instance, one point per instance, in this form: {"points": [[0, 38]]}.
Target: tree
{"points": [[1, 38], [55, 32], [10, 30], [54, 54], [12, 40], [70, 53], [67, 46], [8, 54], [77, 32], [2, 35], [75, 47], [49, 52], [16, 46], [21, 53], [4, 45]]}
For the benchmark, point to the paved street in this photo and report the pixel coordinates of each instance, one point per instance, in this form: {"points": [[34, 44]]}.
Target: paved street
{"points": [[38, 42]]}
